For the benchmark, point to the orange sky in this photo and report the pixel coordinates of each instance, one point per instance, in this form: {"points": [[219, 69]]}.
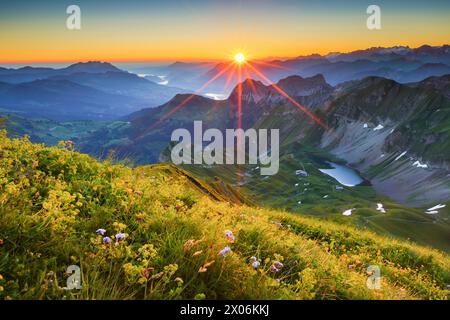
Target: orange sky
{"points": [[210, 32]]}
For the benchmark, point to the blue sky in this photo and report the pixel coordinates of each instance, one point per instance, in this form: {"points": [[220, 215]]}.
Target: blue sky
{"points": [[195, 29]]}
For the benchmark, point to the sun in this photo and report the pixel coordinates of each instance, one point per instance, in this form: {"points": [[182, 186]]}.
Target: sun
{"points": [[239, 58]]}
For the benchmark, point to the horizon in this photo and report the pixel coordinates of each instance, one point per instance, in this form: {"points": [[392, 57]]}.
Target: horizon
{"points": [[210, 31], [215, 151], [156, 63]]}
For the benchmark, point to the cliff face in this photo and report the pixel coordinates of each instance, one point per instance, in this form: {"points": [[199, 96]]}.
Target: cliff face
{"points": [[397, 135]]}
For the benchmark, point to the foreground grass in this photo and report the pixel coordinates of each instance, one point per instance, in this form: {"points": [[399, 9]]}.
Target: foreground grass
{"points": [[53, 200], [316, 196]]}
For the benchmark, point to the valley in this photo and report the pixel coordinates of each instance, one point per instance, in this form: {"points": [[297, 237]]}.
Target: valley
{"points": [[391, 139], [178, 224], [218, 158], [318, 195]]}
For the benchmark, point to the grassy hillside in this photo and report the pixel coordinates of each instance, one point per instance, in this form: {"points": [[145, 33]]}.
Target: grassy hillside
{"points": [[50, 132], [52, 201], [316, 195]]}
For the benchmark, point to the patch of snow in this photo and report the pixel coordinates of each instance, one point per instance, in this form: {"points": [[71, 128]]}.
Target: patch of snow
{"points": [[382, 156], [348, 212], [380, 208], [299, 202], [392, 130], [420, 165], [439, 206], [325, 196], [434, 210], [215, 96], [378, 127], [401, 155], [296, 185], [366, 125]]}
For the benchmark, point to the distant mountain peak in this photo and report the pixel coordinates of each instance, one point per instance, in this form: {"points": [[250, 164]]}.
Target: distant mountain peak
{"points": [[311, 56], [252, 82], [252, 91], [180, 97], [441, 84], [296, 79], [178, 63], [92, 63], [295, 85], [92, 67], [298, 86], [377, 80]]}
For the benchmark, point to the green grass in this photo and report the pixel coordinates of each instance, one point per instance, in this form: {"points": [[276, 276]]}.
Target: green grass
{"points": [[52, 200], [50, 132], [284, 190]]}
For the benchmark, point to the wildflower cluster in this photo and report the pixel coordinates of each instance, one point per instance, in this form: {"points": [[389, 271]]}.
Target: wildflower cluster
{"points": [[276, 266], [107, 240], [255, 262], [224, 251], [151, 233], [229, 235]]}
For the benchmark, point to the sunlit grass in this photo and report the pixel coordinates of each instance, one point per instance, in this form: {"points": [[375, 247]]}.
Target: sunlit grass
{"points": [[53, 200]]}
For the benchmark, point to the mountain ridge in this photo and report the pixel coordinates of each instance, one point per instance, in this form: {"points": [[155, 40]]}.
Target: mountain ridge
{"points": [[118, 92], [385, 106]]}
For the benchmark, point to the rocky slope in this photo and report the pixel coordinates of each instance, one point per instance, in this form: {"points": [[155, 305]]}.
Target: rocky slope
{"points": [[396, 135]]}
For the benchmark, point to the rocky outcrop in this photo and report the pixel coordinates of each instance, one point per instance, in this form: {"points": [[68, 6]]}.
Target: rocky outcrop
{"points": [[396, 135]]}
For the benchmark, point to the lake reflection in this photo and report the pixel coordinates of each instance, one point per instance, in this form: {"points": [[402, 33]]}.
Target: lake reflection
{"points": [[346, 176]]}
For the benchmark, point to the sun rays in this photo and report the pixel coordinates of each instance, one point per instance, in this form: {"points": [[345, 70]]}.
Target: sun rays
{"points": [[234, 72]]}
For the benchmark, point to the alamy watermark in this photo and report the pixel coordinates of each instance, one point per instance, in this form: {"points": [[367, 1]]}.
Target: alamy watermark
{"points": [[74, 280], [73, 21], [374, 279], [241, 147], [374, 19]]}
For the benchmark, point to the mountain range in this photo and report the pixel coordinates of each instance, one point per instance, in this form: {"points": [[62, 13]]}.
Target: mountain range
{"points": [[82, 91], [385, 115], [401, 63], [60, 207], [40, 91], [372, 121]]}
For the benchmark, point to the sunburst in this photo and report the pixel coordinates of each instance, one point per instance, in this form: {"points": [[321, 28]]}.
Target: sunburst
{"points": [[239, 58], [240, 65]]}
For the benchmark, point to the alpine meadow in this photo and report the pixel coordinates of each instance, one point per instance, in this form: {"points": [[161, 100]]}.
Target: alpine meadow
{"points": [[219, 159]]}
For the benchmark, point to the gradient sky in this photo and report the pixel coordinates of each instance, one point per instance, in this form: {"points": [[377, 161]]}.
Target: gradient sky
{"points": [[35, 31]]}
